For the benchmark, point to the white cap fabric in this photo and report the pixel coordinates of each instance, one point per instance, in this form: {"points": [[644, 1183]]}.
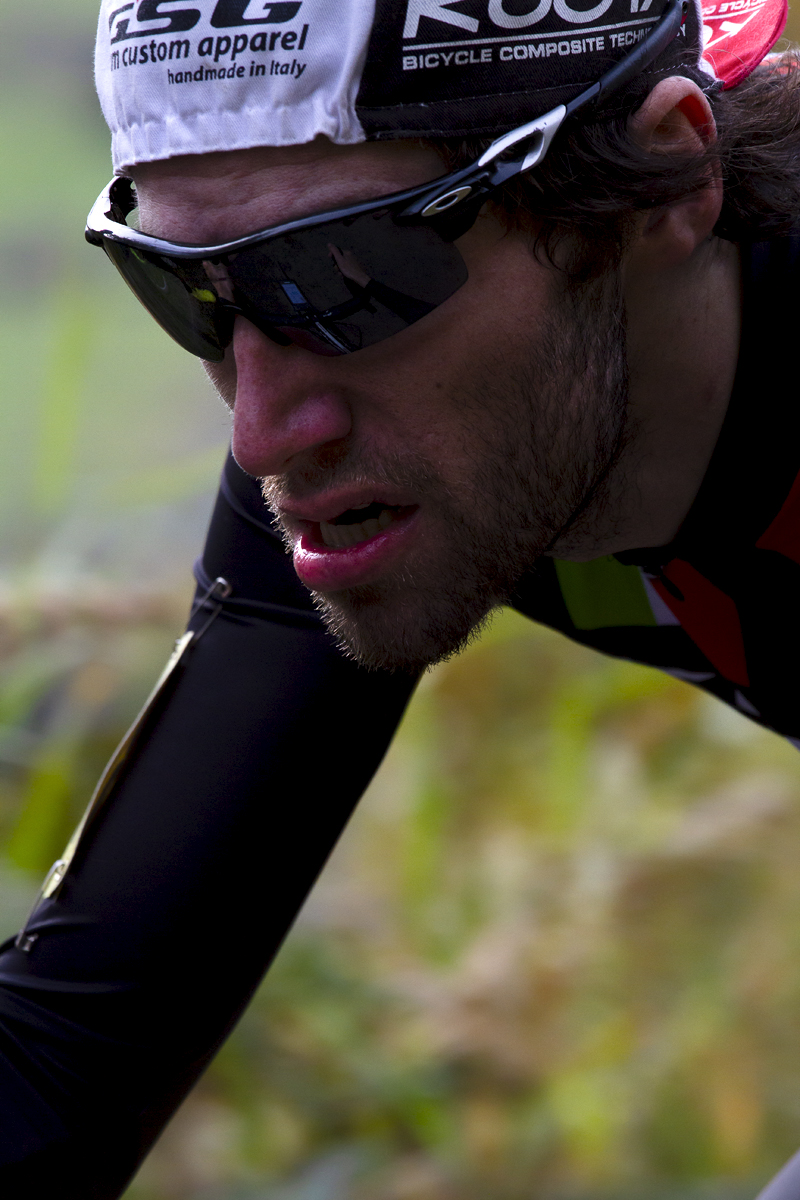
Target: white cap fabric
{"points": [[173, 79], [194, 76]]}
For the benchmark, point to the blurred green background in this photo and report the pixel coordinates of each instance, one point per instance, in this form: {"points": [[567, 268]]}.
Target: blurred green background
{"points": [[576, 974]]}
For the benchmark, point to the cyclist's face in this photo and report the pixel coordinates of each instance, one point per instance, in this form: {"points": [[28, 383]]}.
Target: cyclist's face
{"points": [[417, 479]]}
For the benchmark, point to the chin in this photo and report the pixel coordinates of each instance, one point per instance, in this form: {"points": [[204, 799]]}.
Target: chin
{"points": [[403, 633]]}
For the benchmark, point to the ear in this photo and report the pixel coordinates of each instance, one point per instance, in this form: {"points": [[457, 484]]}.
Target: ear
{"points": [[676, 119]]}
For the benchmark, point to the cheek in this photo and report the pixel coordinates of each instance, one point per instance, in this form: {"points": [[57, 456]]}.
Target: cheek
{"points": [[223, 377]]}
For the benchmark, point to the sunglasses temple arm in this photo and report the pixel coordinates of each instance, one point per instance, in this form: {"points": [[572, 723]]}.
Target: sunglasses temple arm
{"points": [[634, 63], [532, 141], [548, 125]]}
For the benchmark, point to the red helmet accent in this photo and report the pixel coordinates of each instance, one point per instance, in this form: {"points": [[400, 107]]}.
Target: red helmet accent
{"points": [[738, 34]]}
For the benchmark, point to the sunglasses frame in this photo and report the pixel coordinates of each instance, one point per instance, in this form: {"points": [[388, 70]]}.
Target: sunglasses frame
{"points": [[455, 195]]}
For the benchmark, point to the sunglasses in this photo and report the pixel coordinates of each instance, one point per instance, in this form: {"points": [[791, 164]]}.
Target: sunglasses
{"points": [[349, 277]]}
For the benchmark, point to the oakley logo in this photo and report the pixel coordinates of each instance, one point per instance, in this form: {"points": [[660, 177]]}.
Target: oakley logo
{"points": [[227, 14], [440, 10], [448, 200]]}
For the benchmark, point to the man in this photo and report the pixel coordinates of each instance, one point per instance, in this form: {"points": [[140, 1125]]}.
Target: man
{"points": [[492, 291]]}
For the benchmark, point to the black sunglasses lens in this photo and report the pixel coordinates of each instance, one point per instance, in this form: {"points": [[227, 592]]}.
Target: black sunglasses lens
{"points": [[181, 297], [343, 285], [331, 288]]}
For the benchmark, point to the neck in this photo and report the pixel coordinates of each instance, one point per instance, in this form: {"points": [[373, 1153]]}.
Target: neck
{"points": [[683, 345]]}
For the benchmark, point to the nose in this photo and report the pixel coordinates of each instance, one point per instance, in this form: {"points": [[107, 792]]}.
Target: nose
{"points": [[286, 403]]}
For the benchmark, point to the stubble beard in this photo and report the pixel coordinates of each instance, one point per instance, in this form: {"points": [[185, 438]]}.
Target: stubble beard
{"points": [[542, 435]]}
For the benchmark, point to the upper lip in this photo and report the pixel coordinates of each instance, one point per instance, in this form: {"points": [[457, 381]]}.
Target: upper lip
{"points": [[329, 505]]}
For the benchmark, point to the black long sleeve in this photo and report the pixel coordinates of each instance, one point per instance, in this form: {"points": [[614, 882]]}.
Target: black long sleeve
{"points": [[189, 880]]}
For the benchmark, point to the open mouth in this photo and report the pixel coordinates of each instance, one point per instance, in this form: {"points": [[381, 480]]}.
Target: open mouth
{"points": [[357, 525], [359, 545]]}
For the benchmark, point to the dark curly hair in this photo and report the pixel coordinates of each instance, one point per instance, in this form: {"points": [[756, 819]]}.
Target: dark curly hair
{"points": [[596, 177]]}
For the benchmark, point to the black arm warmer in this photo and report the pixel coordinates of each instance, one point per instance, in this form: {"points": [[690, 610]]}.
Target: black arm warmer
{"points": [[226, 812]]}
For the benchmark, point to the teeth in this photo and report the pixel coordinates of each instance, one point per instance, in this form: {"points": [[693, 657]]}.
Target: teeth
{"points": [[340, 536]]}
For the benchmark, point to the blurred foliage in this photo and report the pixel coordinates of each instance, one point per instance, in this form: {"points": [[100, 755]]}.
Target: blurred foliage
{"points": [[110, 439], [555, 954]]}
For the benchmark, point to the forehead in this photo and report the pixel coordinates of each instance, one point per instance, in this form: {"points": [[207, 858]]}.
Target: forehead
{"points": [[213, 197]]}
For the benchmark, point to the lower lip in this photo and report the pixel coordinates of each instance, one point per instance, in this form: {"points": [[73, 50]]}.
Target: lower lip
{"points": [[332, 569]]}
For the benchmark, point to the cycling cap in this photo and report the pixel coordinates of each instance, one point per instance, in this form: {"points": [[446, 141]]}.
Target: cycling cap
{"points": [[194, 76]]}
